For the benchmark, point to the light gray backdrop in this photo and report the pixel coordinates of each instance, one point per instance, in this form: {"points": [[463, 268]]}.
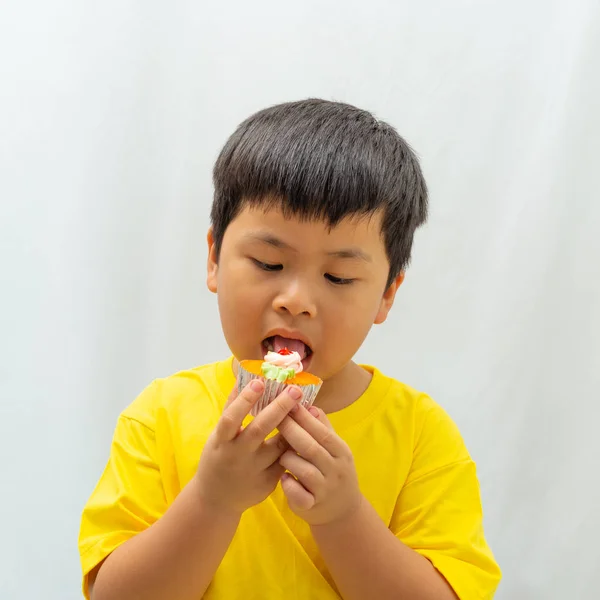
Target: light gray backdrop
{"points": [[111, 114]]}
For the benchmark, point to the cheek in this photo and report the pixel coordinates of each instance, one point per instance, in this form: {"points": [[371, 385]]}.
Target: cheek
{"points": [[240, 305], [350, 321]]}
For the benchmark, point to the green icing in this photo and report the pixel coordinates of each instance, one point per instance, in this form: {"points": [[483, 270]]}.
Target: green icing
{"points": [[279, 374]]}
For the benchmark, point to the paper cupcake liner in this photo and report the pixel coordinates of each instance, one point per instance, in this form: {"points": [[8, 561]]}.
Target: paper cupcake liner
{"points": [[273, 389]]}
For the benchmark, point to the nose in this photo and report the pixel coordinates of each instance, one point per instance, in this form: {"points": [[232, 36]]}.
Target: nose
{"points": [[295, 298]]}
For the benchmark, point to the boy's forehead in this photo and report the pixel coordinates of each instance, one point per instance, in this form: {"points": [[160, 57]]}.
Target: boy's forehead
{"points": [[254, 219]]}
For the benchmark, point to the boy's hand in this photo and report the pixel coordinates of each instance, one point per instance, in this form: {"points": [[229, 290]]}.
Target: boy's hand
{"points": [[324, 486], [238, 468]]}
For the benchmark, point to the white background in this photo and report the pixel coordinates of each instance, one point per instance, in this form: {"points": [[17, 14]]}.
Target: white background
{"points": [[111, 115]]}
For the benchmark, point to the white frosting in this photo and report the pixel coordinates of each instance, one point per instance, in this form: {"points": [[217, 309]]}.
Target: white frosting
{"points": [[285, 361]]}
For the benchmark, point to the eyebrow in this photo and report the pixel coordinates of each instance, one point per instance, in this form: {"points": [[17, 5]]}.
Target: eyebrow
{"points": [[352, 253], [267, 238]]}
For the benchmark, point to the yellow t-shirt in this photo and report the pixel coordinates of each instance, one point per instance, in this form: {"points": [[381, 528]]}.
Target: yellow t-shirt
{"points": [[412, 466]]}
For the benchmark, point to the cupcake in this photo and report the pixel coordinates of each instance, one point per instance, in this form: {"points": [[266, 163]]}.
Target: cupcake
{"points": [[278, 370]]}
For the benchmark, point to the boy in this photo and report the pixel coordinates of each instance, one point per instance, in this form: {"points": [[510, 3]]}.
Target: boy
{"points": [[370, 495]]}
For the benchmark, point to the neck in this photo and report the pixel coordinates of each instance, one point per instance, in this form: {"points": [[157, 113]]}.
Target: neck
{"points": [[343, 388]]}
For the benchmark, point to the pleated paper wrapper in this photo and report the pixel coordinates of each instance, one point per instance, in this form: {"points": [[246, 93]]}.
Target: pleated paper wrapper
{"points": [[273, 389]]}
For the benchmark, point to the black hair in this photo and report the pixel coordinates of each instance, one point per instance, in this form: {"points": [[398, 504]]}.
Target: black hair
{"points": [[324, 160]]}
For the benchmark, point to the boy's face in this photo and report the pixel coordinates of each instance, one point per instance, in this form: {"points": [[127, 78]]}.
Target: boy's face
{"points": [[300, 280]]}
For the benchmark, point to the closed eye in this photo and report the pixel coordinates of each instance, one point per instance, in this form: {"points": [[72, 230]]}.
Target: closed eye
{"points": [[267, 266], [338, 280]]}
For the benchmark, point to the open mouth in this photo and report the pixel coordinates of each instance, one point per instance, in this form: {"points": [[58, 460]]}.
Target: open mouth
{"points": [[276, 342]]}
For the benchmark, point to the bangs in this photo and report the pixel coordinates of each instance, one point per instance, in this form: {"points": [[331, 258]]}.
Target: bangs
{"points": [[317, 167], [320, 160]]}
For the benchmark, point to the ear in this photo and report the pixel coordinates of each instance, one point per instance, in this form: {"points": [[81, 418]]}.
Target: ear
{"points": [[211, 267], [387, 299]]}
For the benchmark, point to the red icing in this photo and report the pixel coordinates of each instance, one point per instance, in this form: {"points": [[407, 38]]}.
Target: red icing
{"points": [[285, 352]]}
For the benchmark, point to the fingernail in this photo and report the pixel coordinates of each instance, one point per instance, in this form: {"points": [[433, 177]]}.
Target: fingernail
{"points": [[295, 393], [314, 411], [257, 385]]}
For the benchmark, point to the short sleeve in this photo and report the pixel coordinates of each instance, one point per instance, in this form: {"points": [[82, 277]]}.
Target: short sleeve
{"points": [[129, 496], [439, 514]]}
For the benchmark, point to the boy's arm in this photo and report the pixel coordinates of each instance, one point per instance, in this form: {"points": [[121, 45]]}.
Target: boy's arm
{"points": [[177, 555], [175, 558], [367, 560]]}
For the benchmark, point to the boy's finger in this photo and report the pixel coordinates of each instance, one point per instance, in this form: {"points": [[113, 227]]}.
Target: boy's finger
{"points": [[298, 497], [306, 473], [231, 420], [270, 417], [319, 414], [271, 451], [305, 444], [274, 472], [320, 430]]}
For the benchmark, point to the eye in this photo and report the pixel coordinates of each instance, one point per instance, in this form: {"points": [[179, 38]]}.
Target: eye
{"points": [[266, 266], [338, 280]]}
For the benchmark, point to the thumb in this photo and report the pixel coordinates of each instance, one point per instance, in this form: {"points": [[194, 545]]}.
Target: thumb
{"points": [[321, 416]]}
